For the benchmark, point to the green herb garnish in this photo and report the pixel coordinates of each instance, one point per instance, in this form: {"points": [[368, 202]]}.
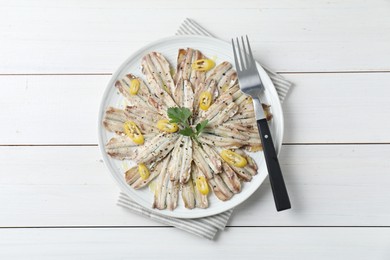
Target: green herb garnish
{"points": [[187, 131], [181, 115], [199, 127]]}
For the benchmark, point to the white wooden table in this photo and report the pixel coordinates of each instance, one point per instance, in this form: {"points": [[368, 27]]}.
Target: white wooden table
{"points": [[57, 200]]}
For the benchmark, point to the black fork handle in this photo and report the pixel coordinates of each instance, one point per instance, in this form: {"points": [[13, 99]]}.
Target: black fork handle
{"points": [[278, 186]]}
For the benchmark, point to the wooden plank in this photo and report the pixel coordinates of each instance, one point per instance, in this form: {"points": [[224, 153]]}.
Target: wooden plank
{"points": [[50, 109], [200, 4], [321, 108], [338, 108], [167, 243], [299, 36], [336, 185]]}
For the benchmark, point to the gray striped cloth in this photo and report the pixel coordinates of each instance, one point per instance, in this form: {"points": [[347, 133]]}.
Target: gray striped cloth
{"points": [[209, 226]]}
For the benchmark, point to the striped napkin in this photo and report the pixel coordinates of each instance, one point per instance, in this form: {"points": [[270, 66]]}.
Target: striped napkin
{"points": [[209, 226]]}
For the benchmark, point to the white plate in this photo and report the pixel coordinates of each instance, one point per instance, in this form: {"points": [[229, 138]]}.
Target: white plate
{"points": [[169, 47]]}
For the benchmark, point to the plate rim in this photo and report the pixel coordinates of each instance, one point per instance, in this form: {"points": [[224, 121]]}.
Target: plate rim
{"points": [[101, 143]]}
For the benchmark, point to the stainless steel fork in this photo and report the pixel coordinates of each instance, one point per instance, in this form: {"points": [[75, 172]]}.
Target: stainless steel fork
{"points": [[251, 84]]}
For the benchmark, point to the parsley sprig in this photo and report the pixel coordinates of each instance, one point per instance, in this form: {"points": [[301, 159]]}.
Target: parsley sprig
{"points": [[181, 115]]}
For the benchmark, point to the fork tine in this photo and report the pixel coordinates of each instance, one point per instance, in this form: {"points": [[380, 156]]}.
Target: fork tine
{"points": [[250, 50], [235, 56], [240, 54], [247, 62]]}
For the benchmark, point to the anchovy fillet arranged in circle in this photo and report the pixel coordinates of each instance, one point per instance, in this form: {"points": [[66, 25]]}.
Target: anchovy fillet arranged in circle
{"points": [[178, 165]]}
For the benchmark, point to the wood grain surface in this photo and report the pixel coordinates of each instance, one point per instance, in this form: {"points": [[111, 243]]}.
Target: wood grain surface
{"points": [[57, 200]]}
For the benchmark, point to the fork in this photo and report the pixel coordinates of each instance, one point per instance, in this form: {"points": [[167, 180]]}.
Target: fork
{"points": [[251, 84]]}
